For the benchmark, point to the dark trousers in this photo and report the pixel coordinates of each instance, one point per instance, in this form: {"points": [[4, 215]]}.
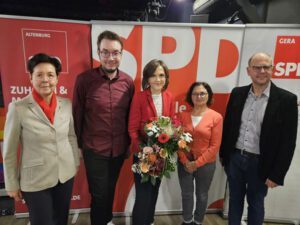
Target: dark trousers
{"points": [[102, 175], [242, 173], [50, 206], [202, 177], [145, 200]]}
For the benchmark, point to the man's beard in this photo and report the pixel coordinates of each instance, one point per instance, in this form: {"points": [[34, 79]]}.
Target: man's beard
{"points": [[109, 70]]}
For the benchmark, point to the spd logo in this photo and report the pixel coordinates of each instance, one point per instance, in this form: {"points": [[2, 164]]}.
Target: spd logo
{"points": [[52, 42], [287, 57]]}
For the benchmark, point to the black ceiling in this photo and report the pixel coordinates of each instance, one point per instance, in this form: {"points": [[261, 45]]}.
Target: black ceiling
{"points": [[128, 10], [242, 11], [76, 9]]}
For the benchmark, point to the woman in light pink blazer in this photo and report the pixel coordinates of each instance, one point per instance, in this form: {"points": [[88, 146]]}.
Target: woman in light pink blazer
{"points": [[42, 124]]}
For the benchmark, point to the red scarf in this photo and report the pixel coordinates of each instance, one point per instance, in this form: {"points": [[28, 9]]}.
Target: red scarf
{"points": [[49, 110]]}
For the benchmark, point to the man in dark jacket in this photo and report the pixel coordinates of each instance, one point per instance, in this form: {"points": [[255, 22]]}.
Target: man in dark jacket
{"points": [[259, 138]]}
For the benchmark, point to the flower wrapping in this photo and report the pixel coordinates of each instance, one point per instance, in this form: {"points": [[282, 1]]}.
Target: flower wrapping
{"points": [[157, 157]]}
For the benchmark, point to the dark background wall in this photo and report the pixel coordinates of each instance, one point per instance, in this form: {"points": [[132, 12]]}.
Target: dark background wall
{"points": [[212, 11]]}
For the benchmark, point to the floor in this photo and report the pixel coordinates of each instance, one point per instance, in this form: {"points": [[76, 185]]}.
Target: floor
{"points": [[83, 219]]}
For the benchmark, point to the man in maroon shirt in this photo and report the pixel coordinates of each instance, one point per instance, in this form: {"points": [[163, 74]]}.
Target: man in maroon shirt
{"points": [[101, 105]]}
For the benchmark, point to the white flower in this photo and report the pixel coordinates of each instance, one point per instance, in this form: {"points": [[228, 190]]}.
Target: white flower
{"points": [[187, 137], [140, 155], [150, 133], [135, 168], [154, 128]]}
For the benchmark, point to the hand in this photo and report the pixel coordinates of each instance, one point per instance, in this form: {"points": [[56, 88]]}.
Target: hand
{"points": [[17, 195], [191, 166], [80, 153], [270, 184], [185, 168]]}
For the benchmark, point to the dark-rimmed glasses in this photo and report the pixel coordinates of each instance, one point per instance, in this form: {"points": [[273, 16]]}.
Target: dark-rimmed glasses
{"points": [[201, 94], [107, 54], [258, 68]]}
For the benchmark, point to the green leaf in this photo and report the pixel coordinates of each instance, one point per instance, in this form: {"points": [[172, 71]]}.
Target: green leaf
{"points": [[145, 178], [167, 174], [153, 181]]}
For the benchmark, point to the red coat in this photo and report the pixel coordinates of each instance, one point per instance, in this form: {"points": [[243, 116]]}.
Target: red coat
{"points": [[142, 109]]}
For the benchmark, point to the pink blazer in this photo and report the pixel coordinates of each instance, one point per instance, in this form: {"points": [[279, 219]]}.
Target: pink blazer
{"points": [[142, 109]]}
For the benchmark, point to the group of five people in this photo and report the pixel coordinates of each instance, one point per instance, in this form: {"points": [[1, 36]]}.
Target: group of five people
{"points": [[256, 140]]}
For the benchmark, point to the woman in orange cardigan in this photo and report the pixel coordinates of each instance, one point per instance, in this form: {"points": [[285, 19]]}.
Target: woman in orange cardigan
{"points": [[152, 102], [205, 125]]}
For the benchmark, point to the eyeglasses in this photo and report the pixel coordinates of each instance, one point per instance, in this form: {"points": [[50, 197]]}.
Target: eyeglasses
{"points": [[201, 94], [259, 68], [107, 54]]}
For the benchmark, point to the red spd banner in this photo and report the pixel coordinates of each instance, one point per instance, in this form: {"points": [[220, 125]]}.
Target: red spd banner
{"points": [[287, 57], [191, 54], [39, 40], [70, 42]]}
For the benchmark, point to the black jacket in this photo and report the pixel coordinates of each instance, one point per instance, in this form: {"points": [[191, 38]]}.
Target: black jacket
{"points": [[278, 131]]}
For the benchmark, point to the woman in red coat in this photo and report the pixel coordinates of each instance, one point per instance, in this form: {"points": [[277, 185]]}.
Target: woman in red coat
{"points": [[152, 102]]}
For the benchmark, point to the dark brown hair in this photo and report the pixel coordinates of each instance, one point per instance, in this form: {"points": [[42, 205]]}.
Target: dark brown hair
{"points": [[110, 36], [149, 70], [210, 93]]}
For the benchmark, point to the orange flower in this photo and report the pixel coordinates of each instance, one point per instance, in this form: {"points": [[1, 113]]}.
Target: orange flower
{"points": [[163, 138], [182, 144], [163, 153], [144, 167], [149, 125], [152, 158]]}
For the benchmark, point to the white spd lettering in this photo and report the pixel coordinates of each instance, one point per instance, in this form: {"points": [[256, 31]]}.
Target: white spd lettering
{"points": [[287, 41], [179, 108], [20, 90], [284, 69], [41, 35], [14, 99]]}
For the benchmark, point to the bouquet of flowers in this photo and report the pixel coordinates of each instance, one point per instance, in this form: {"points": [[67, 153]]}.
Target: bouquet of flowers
{"points": [[156, 159]]}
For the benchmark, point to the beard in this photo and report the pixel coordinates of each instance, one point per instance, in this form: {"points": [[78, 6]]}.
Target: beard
{"points": [[109, 70]]}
